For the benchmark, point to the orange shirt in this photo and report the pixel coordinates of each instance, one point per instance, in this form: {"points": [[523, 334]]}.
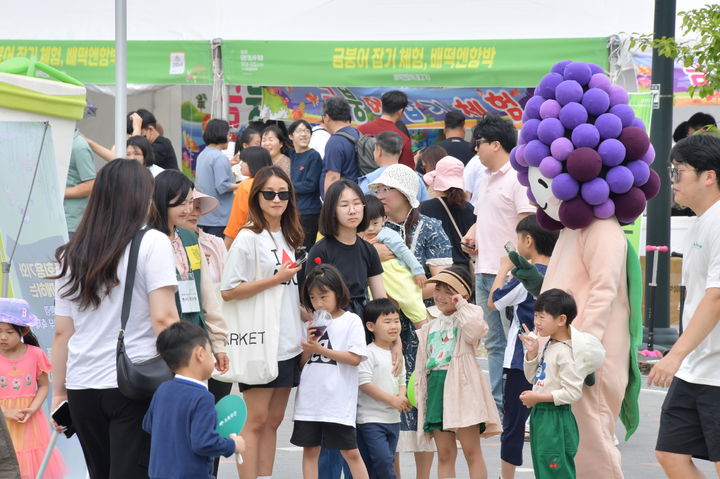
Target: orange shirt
{"points": [[239, 211]]}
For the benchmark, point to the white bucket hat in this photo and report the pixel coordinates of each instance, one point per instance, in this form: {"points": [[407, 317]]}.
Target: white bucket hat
{"points": [[588, 352], [401, 178]]}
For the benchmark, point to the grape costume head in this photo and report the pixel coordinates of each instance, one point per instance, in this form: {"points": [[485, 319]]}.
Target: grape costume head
{"points": [[581, 150]]}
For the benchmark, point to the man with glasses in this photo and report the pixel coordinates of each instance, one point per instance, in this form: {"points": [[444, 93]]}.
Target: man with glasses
{"points": [[690, 419], [501, 203]]}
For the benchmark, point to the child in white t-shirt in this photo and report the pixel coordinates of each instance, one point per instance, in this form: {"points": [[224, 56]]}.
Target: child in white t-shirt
{"points": [[382, 395], [326, 399]]}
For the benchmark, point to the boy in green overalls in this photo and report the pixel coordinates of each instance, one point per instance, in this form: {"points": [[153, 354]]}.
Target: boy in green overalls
{"points": [[557, 373]]}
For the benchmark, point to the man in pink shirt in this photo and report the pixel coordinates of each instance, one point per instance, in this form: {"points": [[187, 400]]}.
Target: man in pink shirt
{"points": [[394, 103], [501, 203]]}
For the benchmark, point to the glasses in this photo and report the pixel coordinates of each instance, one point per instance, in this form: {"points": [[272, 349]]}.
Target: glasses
{"points": [[674, 173], [301, 132], [481, 141], [383, 190], [270, 195]]}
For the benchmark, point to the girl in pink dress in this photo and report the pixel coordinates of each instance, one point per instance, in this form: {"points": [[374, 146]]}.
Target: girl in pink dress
{"points": [[24, 387]]}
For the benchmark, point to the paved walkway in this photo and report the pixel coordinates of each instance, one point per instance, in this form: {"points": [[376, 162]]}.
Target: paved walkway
{"points": [[637, 454]]}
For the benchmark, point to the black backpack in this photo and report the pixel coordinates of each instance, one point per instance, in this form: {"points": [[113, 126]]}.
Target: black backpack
{"points": [[364, 151]]}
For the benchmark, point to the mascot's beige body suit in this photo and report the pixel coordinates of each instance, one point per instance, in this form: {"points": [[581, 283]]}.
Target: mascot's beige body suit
{"points": [[590, 264]]}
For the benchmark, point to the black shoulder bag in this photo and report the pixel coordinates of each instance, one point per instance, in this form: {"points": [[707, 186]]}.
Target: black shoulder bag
{"points": [[137, 381]]}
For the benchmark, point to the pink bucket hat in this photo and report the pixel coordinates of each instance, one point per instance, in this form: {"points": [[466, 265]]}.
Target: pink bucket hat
{"points": [[448, 173], [208, 203]]}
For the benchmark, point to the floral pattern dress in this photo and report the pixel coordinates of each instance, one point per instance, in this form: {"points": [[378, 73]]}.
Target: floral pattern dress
{"points": [[18, 386], [432, 247]]}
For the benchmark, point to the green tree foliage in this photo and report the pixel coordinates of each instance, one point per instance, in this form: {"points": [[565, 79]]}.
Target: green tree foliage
{"points": [[702, 24]]}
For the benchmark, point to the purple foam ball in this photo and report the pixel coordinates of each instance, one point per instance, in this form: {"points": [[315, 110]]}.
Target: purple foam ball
{"points": [[652, 187], [546, 222], [532, 108], [601, 81], [630, 205], [550, 109], [620, 179], [547, 85], [522, 177], [595, 192], [612, 152], [578, 71], [528, 132], [625, 113], [549, 130], [568, 91], [649, 155], [595, 69], [640, 171], [608, 125], [550, 167], [584, 164], [618, 95], [561, 148], [564, 187], [572, 115], [559, 67], [596, 101], [636, 142], [576, 214], [520, 156], [604, 210], [585, 135], [513, 160], [639, 123], [530, 196], [535, 152]]}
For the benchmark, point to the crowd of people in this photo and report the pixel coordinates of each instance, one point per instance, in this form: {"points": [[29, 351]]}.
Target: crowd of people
{"points": [[287, 267]]}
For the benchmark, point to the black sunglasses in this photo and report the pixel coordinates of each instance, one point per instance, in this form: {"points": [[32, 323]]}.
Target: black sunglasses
{"points": [[270, 195]]}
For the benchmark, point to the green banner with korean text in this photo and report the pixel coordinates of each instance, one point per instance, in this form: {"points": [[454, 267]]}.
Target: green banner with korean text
{"points": [[148, 62], [470, 63]]}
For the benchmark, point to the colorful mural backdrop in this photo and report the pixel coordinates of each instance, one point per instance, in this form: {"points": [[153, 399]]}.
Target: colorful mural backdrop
{"points": [[427, 107], [684, 77]]}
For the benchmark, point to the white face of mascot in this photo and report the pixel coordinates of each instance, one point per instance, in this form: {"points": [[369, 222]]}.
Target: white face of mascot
{"points": [[541, 189]]}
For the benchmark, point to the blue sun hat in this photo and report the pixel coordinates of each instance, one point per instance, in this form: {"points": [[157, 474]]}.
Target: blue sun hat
{"points": [[16, 311]]}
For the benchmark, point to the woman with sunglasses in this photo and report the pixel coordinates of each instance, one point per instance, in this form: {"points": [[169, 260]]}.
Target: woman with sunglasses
{"points": [[263, 257]]}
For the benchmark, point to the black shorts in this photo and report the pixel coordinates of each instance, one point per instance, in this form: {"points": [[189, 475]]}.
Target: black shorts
{"points": [[690, 421], [326, 434], [288, 376]]}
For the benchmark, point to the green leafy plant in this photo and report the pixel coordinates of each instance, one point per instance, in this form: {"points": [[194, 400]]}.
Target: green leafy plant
{"points": [[703, 52]]}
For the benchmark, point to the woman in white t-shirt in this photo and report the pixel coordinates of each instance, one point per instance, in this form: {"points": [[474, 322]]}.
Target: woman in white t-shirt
{"points": [[88, 300], [262, 257]]}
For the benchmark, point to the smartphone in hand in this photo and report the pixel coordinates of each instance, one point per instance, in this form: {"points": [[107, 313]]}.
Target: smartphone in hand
{"points": [[61, 415]]}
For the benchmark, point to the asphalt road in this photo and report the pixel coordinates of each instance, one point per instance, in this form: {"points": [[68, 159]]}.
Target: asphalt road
{"points": [[638, 454]]}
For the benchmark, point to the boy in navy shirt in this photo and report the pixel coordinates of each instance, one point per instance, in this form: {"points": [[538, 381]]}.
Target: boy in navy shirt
{"points": [[182, 419], [536, 245]]}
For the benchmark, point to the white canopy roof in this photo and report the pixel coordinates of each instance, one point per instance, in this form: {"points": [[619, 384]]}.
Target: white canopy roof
{"points": [[329, 19]]}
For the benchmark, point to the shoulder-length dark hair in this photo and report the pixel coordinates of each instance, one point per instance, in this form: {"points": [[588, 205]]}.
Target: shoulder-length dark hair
{"points": [[216, 132], [118, 207], [145, 146], [328, 217], [325, 277], [281, 136], [290, 221], [169, 184]]}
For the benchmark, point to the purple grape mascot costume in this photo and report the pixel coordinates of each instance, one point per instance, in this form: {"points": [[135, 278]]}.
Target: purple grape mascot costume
{"points": [[586, 160]]}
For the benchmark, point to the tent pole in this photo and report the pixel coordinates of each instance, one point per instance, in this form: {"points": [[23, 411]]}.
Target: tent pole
{"points": [[120, 77]]}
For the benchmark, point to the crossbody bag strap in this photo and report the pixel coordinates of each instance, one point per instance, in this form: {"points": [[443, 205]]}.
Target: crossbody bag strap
{"points": [[130, 279], [457, 230]]}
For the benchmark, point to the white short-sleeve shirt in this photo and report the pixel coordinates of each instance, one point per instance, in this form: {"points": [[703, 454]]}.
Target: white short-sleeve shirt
{"points": [[91, 362], [701, 271]]}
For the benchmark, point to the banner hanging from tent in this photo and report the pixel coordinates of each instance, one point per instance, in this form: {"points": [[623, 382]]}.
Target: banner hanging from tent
{"points": [[149, 62], [471, 63], [426, 108], [683, 78]]}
